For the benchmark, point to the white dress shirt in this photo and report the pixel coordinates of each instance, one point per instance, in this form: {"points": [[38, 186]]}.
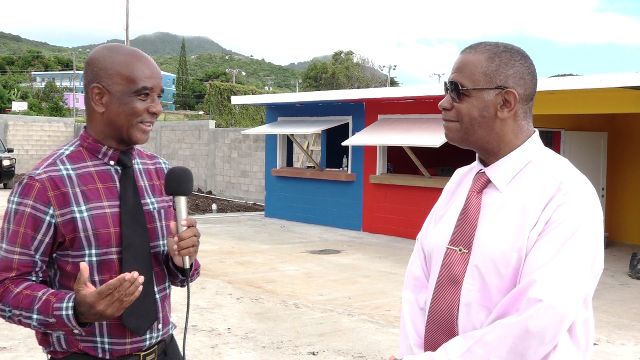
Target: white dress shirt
{"points": [[537, 257]]}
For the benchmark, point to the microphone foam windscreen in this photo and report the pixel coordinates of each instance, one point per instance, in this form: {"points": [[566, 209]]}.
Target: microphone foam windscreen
{"points": [[178, 181]]}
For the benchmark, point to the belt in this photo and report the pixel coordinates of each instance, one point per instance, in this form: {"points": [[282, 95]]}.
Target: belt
{"points": [[151, 353]]}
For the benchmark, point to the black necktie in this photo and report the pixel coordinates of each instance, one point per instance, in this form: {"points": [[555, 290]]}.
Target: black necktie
{"points": [[136, 252]]}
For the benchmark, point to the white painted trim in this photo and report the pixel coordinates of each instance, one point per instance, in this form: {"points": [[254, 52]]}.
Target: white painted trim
{"points": [[423, 130], [596, 81], [335, 95]]}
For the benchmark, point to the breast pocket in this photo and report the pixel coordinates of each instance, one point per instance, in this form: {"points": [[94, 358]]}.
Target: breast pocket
{"points": [[160, 214]]}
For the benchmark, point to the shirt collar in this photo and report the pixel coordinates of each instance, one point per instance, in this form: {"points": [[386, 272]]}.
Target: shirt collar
{"points": [[93, 146], [504, 170]]}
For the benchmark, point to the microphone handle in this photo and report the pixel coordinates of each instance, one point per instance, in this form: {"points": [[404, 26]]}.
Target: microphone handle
{"points": [[180, 204]]}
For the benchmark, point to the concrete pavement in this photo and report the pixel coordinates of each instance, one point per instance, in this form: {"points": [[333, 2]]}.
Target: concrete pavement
{"points": [[277, 289]]}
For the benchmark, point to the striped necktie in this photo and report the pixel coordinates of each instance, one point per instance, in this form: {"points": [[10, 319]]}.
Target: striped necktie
{"points": [[442, 318]]}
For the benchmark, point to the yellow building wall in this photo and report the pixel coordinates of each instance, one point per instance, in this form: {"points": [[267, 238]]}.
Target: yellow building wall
{"points": [[622, 206]]}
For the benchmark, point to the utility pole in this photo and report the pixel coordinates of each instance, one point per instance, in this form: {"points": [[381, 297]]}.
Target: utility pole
{"points": [[73, 83], [297, 82], [269, 81], [439, 75], [235, 72], [389, 68], [126, 35]]}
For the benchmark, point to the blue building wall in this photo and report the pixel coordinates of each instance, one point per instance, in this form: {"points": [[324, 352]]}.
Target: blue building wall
{"points": [[62, 79], [169, 95], [322, 202]]}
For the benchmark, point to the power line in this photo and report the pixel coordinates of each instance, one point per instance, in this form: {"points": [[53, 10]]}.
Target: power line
{"points": [[35, 70]]}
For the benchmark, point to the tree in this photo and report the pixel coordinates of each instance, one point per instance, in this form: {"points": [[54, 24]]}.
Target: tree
{"points": [[5, 101], [197, 91], [52, 100], [183, 95], [345, 70], [218, 104], [15, 74]]}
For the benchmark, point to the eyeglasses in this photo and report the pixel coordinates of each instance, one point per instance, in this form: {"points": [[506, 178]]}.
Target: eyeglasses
{"points": [[454, 90]]}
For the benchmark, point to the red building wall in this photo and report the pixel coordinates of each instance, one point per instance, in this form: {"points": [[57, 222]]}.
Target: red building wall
{"points": [[394, 209]]}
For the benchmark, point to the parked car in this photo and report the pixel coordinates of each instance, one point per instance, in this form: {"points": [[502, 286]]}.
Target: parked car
{"points": [[8, 167]]}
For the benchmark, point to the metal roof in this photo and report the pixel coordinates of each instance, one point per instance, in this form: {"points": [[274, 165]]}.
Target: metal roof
{"points": [[599, 81]]}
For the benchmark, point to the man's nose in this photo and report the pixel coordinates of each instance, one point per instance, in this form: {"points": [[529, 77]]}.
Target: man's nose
{"points": [[156, 107], [445, 103]]}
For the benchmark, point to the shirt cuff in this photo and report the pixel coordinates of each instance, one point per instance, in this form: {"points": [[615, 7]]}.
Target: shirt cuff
{"points": [[64, 313], [178, 275]]}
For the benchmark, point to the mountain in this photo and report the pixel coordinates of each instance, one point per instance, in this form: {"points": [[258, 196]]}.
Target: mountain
{"points": [[163, 43], [302, 66], [15, 45], [208, 61]]}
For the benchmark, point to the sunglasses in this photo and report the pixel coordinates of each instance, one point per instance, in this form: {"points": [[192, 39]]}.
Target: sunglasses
{"points": [[454, 90]]}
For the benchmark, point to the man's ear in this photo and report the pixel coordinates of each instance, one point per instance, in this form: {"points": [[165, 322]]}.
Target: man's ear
{"points": [[508, 103], [98, 96]]}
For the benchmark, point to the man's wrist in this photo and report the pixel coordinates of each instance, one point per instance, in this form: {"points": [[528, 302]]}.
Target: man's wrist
{"points": [[77, 318]]}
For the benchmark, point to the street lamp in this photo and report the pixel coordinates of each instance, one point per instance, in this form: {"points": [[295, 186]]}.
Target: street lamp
{"points": [[389, 68]]}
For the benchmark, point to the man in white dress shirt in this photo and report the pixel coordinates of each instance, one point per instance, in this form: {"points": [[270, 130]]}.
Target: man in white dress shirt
{"points": [[537, 251]]}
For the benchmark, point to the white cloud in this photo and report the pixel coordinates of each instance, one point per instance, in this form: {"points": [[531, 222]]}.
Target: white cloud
{"points": [[420, 36]]}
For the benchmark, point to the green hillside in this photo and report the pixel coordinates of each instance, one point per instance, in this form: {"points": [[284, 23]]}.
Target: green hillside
{"points": [[302, 66], [15, 45], [213, 67], [208, 61]]}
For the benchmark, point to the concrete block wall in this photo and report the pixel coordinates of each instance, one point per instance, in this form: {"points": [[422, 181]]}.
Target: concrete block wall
{"points": [[222, 160], [238, 165], [34, 137], [183, 143]]}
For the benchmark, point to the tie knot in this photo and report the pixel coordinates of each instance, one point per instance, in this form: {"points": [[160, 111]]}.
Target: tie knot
{"points": [[124, 160], [480, 182]]}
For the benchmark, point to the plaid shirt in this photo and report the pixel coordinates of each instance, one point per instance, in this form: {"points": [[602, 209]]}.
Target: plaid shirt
{"points": [[66, 211]]}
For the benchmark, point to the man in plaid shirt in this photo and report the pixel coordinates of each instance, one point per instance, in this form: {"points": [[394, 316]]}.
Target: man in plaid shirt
{"points": [[60, 243]]}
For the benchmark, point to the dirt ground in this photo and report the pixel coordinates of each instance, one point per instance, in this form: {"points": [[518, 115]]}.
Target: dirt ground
{"points": [[200, 203], [273, 289]]}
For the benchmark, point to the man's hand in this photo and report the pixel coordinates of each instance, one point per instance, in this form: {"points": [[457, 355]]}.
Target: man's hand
{"points": [[186, 243], [109, 300]]}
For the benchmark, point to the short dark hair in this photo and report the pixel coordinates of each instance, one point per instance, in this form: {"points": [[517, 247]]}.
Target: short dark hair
{"points": [[508, 65]]}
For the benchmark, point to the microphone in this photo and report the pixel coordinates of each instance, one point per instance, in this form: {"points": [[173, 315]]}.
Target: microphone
{"points": [[178, 182]]}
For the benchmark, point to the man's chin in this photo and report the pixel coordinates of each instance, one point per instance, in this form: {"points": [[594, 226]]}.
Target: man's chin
{"points": [[140, 138]]}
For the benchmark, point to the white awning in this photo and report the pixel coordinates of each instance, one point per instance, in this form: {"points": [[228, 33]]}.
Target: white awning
{"points": [[298, 125], [422, 130]]}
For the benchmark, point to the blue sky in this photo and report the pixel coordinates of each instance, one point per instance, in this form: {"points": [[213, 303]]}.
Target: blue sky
{"points": [[421, 37]]}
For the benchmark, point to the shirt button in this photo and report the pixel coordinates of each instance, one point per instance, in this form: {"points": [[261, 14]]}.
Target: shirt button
{"points": [[111, 162], [76, 331], [160, 326]]}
